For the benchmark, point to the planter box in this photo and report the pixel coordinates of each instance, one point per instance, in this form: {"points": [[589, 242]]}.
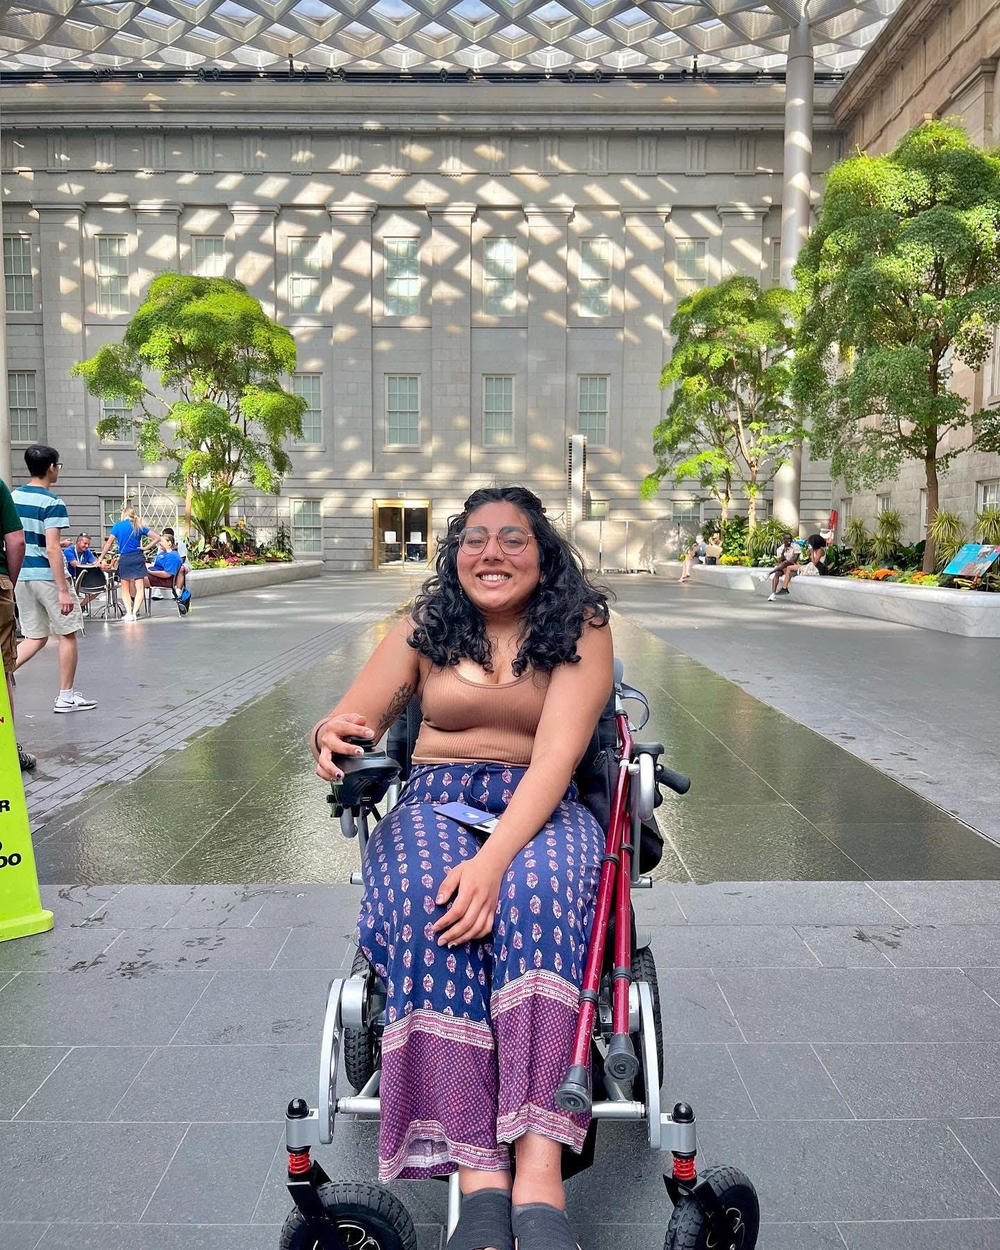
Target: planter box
{"points": [[971, 614], [205, 582]]}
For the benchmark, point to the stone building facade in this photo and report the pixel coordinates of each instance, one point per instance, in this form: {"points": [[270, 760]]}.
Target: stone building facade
{"points": [[935, 58], [472, 273]]}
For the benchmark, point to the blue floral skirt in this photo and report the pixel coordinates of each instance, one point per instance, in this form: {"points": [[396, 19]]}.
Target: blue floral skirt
{"points": [[477, 1038]]}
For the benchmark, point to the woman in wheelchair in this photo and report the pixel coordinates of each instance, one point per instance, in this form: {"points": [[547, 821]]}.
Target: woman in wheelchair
{"points": [[481, 939]]}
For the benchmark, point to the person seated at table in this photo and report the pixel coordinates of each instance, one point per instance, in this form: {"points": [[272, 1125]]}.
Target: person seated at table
{"points": [[128, 533], [178, 545], [167, 570], [78, 557]]}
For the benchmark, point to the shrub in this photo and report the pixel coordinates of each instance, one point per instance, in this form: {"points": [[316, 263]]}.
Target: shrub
{"points": [[988, 526], [948, 534], [858, 539], [764, 540], [888, 533]]}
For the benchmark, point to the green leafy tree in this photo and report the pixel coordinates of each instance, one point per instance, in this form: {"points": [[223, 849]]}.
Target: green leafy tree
{"points": [[900, 279], [220, 415], [730, 424]]}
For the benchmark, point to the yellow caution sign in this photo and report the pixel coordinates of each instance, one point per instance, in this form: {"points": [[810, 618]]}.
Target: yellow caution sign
{"points": [[21, 910]]}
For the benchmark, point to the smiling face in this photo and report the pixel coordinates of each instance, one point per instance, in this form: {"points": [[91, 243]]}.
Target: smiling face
{"points": [[497, 583]]}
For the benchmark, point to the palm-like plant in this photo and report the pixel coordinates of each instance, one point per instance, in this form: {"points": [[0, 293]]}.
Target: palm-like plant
{"points": [[209, 508], [888, 535], [947, 530], [857, 537], [988, 526]]}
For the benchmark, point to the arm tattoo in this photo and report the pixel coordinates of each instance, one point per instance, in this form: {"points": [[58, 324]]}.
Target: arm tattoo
{"points": [[396, 708]]}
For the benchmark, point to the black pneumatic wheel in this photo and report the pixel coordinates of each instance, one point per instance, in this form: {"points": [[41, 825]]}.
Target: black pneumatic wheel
{"points": [[366, 1217], [644, 969], [689, 1230], [362, 1049]]}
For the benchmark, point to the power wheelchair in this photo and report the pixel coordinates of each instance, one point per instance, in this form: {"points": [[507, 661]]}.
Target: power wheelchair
{"points": [[616, 1067]]}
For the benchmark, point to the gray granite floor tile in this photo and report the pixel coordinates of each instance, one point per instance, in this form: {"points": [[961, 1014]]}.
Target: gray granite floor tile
{"points": [[22, 1070], [83, 1172], [694, 1009], [957, 902], [987, 979], [140, 907], [969, 1234], [87, 1084], [706, 1078], [830, 1170], [729, 946], [859, 1005], [233, 906], [21, 1236], [982, 1140], [939, 945], [783, 902], [160, 1237], [220, 1083], [204, 950], [257, 1007], [799, 1237], [63, 947], [321, 906], [843, 946], [195, 1190], [95, 1007], [72, 904], [890, 1082], [313, 947], [788, 1083]]}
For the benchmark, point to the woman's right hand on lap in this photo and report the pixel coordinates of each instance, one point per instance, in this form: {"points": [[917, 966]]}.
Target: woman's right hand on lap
{"points": [[328, 739]]}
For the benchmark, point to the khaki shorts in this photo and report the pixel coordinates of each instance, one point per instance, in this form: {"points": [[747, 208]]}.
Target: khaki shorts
{"points": [[38, 604], [8, 641]]}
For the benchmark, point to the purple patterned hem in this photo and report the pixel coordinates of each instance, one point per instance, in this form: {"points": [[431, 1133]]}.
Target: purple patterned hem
{"points": [[427, 1152], [552, 1124]]}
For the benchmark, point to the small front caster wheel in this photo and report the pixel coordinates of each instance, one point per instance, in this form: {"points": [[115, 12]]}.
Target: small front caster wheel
{"points": [[689, 1228], [366, 1217]]}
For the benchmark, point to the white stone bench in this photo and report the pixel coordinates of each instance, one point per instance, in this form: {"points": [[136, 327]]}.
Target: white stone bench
{"points": [[965, 612], [205, 582]]}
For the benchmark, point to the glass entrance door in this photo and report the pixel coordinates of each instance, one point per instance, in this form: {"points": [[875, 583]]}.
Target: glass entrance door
{"points": [[402, 533]]}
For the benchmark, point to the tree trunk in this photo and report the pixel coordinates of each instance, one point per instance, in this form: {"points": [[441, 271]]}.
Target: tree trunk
{"points": [[930, 469], [188, 503], [751, 514]]}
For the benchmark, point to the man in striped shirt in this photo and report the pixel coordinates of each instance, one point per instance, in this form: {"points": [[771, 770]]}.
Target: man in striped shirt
{"points": [[46, 600]]}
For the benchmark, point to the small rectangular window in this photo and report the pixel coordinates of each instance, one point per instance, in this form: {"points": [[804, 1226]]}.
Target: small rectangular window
{"points": [[22, 403], [498, 410], [402, 410], [846, 509], [208, 255], [592, 408], [111, 511], [18, 284], [402, 277], [595, 277], [988, 494], [307, 527], [307, 386], [119, 409], [499, 277], [597, 510], [112, 273], [305, 273], [773, 262], [883, 503], [685, 510], [692, 259]]}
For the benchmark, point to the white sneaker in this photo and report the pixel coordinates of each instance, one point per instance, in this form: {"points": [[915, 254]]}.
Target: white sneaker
{"points": [[158, 594], [771, 597], [75, 703], [129, 616]]}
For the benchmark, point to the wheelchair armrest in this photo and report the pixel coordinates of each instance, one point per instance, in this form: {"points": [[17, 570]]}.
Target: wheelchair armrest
{"points": [[366, 778]]}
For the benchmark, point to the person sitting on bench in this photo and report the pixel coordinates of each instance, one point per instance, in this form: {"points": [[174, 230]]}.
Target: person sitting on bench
{"points": [[167, 570]]}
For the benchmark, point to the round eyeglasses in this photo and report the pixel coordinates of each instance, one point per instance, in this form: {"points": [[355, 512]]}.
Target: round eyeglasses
{"points": [[512, 539]]}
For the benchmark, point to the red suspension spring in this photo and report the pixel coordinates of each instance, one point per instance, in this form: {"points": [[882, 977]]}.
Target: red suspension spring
{"points": [[299, 1162], [684, 1168]]}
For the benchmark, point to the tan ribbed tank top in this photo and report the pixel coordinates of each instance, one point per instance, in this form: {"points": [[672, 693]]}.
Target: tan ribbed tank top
{"points": [[469, 722]]}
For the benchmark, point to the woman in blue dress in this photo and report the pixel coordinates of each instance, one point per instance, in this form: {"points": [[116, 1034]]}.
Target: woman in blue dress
{"points": [[129, 533], [482, 942]]}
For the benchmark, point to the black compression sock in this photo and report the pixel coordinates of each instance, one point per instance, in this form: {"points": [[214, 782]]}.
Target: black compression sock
{"points": [[484, 1222], [538, 1226]]}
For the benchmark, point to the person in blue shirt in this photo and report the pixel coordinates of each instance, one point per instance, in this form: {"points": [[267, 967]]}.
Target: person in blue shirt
{"points": [[167, 570], [78, 557], [129, 533]]}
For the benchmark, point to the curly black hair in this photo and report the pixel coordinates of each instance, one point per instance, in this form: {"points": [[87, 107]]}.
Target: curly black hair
{"points": [[450, 628]]}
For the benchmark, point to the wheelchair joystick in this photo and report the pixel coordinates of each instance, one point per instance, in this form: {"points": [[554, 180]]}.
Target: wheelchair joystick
{"points": [[621, 1063], [574, 1093]]}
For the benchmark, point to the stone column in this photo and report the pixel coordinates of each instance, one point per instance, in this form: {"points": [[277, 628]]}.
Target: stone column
{"points": [[742, 239], [547, 407], [60, 234], [795, 206], [253, 239], [350, 376], [450, 399], [644, 321], [157, 251]]}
